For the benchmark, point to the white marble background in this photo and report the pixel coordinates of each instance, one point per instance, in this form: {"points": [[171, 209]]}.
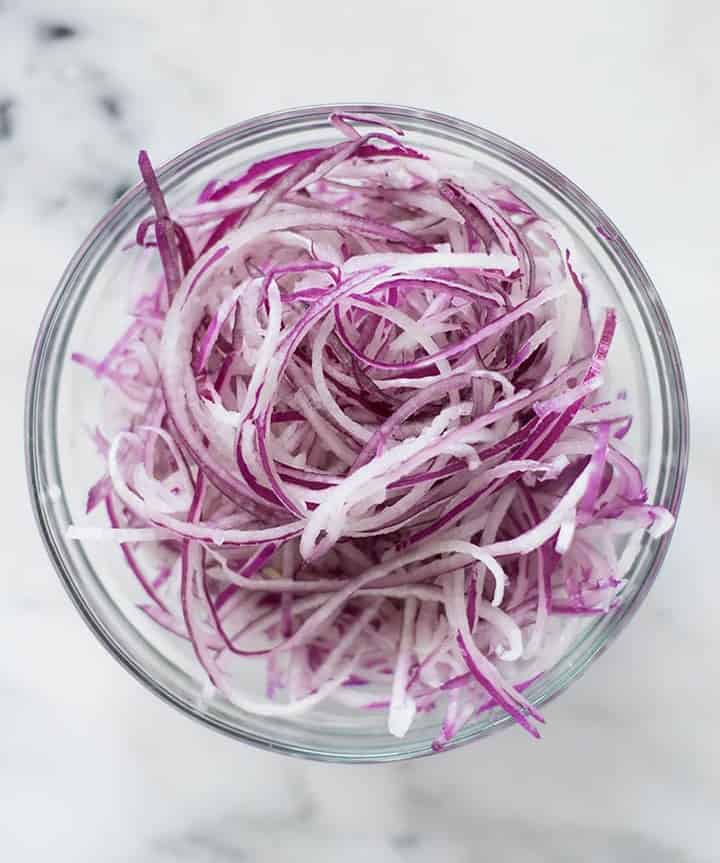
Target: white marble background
{"points": [[624, 97]]}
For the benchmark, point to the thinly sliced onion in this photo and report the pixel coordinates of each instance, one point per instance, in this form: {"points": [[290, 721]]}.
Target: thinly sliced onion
{"points": [[365, 438]]}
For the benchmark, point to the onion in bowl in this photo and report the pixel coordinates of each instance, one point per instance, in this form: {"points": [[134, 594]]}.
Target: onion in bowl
{"points": [[360, 434]]}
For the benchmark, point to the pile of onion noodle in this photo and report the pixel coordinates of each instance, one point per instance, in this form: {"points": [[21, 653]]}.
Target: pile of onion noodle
{"points": [[359, 435]]}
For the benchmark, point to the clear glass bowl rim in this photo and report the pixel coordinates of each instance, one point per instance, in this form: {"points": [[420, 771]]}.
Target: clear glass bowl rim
{"points": [[272, 125]]}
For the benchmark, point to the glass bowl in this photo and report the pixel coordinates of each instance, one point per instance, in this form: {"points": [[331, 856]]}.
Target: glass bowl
{"points": [[89, 308]]}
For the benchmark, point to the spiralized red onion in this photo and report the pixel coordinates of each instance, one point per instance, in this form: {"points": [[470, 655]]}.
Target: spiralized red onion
{"points": [[364, 438]]}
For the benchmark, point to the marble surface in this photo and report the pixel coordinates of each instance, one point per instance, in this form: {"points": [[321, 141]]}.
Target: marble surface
{"points": [[624, 97]]}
